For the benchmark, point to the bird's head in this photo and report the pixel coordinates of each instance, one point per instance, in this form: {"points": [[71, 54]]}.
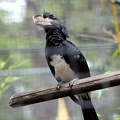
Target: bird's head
{"points": [[49, 22]]}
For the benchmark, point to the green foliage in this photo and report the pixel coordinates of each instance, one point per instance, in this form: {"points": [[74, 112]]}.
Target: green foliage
{"points": [[116, 52], [17, 41], [99, 116], [18, 65], [79, 16], [4, 61], [7, 81], [117, 118], [101, 92], [3, 26]]}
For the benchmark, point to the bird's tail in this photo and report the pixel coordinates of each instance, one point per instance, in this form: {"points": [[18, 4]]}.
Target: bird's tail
{"points": [[87, 107]]}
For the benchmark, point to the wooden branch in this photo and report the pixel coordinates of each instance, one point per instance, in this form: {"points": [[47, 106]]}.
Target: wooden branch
{"points": [[89, 36], [110, 33], [79, 86]]}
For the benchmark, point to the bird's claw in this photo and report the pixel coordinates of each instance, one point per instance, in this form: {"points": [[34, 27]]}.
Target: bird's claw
{"points": [[72, 82], [59, 85]]}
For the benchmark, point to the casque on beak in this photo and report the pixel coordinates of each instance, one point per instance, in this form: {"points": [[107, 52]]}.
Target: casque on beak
{"points": [[39, 20]]}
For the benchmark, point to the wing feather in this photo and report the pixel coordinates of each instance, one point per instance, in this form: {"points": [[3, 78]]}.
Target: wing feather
{"points": [[75, 59]]}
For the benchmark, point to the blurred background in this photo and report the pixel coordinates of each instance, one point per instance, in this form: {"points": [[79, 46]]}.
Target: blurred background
{"points": [[93, 25]]}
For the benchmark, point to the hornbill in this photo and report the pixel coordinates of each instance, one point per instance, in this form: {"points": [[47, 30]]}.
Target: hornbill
{"points": [[65, 60]]}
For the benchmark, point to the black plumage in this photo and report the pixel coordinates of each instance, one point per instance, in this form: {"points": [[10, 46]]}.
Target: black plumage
{"points": [[65, 60]]}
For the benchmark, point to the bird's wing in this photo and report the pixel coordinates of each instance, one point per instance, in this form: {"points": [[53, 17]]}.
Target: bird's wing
{"points": [[75, 59]]}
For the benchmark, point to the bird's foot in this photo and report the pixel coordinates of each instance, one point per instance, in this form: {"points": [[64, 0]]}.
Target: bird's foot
{"points": [[59, 85], [72, 82]]}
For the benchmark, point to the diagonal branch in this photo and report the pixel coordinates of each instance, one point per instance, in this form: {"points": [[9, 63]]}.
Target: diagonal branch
{"points": [[111, 34], [112, 37], [79, 86]]}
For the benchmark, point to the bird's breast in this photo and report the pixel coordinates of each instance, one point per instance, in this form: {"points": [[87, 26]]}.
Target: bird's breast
{"points": [[62, 69]]}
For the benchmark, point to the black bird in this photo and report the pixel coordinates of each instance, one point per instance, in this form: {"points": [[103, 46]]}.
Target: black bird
{"points": [[65, 60]]}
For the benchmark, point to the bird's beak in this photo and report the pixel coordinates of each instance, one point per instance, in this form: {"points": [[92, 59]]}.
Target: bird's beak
{"points": [[39, 20]]}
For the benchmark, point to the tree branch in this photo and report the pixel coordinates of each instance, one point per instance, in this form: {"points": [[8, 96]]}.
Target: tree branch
{"points": [[90, 36], [111, 34], [79, 86]]}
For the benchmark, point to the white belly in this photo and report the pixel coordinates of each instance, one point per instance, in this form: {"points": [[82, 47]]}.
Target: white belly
{"points": [[62, 69]]}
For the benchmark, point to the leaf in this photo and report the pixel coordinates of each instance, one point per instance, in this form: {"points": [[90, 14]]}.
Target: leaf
{"points": [[10, 79], [100, 94], [5, 88], [4, 62], [18, 65], [116, 52], [2, 85], [98, 115], [15, 78], [6, 59], [117, 118]]}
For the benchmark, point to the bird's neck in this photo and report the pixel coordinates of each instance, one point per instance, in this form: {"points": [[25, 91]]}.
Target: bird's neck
{"points": [[54, 37]]}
